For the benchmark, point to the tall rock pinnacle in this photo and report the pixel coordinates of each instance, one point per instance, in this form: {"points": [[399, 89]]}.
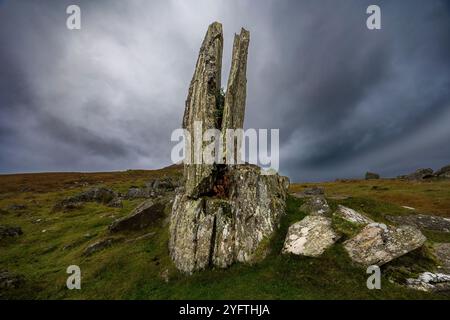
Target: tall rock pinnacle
{"points": [[202, 105], [224, 211], [234, 109]]}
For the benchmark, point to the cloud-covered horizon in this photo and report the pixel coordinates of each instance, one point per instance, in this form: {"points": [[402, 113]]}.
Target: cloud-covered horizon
{"points": [[346, 99]]}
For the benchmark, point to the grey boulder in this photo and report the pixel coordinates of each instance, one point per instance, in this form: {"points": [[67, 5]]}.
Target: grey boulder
{"points": [[310, 237], [146, 214], [6, 231], [377, 243], [423, 221], [352, 216], [316, 205]]}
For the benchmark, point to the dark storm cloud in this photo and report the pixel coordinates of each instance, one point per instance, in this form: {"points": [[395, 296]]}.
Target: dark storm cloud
{"points": [[107, 97]]}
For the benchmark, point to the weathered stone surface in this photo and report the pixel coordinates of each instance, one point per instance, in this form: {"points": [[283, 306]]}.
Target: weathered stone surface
{"points": [[224, 211], [423, 221], [428, 281], [352, 215], [201, 105], [310, 236], [147, 213], [371, 175], [213, 231], [442, 253], [378, 244], [234, 108], [316, 205], [6, 231]]}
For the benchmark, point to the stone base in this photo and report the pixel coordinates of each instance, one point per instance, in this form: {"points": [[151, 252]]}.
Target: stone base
{"points": [[220, 229]]}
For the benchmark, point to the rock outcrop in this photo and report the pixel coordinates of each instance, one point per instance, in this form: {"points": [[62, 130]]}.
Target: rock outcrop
{"points": [[316, 205], [97, 194], [6, 231], [308, 192], [310, 236], [146, 214], [378, 244], [430, 282], [10, 280], [234, 108], [217, 231], [372, 176], [419, 174], [153, 188], [423, 221], [224, 210], [202, 106], [444, 172], [442, 254]]}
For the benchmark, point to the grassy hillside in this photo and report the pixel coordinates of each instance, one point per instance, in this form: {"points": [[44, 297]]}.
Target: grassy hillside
{"points": [[141, 268]]}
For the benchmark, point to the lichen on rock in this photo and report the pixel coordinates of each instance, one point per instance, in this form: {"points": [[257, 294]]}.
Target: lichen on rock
{"points": [[224, 211]]}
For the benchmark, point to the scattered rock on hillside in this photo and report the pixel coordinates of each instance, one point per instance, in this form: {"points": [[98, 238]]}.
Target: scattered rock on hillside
{"points": [[352, 215], [444, 172], [419, 174], [378, 244], [316, 205], [153, 188], [98, 194], [430, 282], [100, 245], [372, 176], [442, 253], [9, 280], [136, 193], [6, 231], [115, 203], [164, 184], [423, 221], [314, 191], [310, 236], [311, 191], [102, 195], [144, 215], [16, 207]]}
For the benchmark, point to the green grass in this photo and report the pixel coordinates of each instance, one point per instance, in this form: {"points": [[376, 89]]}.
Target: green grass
{"points": [[133, 270]]}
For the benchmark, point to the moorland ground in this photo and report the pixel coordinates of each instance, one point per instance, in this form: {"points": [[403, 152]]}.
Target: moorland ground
{"points": [[142, 269]]}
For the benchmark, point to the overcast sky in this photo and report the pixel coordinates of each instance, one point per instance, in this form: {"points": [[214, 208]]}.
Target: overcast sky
{"points": [[107, 97]]}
